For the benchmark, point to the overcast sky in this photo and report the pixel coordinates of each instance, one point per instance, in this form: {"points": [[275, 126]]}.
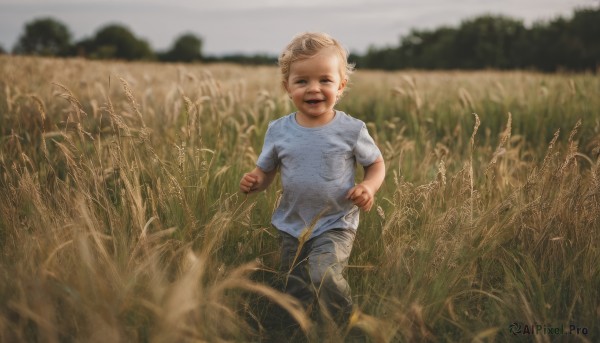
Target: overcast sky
{"points": [[265, 26]]}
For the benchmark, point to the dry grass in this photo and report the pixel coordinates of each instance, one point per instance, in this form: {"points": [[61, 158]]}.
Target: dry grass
{"points": [[120, 218]]}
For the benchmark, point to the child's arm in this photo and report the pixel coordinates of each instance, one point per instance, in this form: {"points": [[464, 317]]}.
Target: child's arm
{"points": [[363, 194], [256, 180]]}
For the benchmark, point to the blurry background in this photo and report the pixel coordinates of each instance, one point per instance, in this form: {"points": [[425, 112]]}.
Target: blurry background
{"points": [[469, 34]]}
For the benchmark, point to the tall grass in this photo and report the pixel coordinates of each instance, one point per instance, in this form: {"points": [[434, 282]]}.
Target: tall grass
{"points": [[120, 218]]}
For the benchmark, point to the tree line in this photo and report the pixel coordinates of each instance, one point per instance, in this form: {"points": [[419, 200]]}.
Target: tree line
{"points": [[50, 37], [488, 41], [497, 42]]}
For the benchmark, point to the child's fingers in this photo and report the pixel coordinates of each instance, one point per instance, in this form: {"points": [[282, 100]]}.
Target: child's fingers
{"points": [[248, 181], [250, 177], [350, 193], [366, 206], [361, 198], [361, 202], [354, 193], [369, 205]]}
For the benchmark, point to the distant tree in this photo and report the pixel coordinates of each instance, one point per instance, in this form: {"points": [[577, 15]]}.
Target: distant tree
{"points": [[499, 42], [570, 44], [482, 42], [551, 45], [487, 42], [85, 48], [429, 49], [585, 25], [2, 51], [187, 48], [384, 58], [115, 41], [45, 37], [257, 59]]}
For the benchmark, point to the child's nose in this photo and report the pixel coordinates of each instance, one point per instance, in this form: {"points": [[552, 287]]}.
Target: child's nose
{"points": [[313, 86]]}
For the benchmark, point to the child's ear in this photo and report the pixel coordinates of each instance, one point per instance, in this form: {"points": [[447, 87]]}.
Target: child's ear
{"points": [[342, 86]]}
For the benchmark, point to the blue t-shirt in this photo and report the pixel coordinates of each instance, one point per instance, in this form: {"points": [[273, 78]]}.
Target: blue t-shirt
{"points": [[317, 168]]}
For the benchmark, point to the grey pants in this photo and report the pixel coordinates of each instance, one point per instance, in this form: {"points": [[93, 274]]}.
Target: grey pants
{"points": [[316, 273]]}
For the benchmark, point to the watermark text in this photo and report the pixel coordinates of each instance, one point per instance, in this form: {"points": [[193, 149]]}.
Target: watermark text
{"points": [[519, 328]]}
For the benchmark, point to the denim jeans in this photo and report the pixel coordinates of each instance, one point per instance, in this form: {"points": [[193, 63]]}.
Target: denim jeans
{"points": [[315, 275]]}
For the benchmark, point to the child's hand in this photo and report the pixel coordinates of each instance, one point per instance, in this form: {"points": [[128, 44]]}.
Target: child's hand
{"points": [[256, 180], [250, 182], [362, 196]]}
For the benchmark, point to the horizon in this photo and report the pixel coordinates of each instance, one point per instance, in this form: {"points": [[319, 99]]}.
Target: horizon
{"points": [[265, 26]]}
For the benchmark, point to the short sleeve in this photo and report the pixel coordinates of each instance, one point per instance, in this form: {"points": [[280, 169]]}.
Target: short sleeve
{"points": [[365, 150], [267, 161]]}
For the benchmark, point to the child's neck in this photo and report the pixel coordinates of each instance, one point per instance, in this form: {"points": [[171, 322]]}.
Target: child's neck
{"points": [[312, 122]]}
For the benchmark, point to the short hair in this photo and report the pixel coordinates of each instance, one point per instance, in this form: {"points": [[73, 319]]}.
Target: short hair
{"points": [[308, 44]]}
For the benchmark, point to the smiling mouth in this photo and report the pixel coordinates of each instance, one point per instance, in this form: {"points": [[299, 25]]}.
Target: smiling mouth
{"points": [[313, 101]]}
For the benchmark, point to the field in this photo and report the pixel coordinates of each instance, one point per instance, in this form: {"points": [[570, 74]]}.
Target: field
{"points": [[121, 220]]}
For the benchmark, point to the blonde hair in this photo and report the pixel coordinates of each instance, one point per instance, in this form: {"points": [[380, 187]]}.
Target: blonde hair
{"points": [[308, 44]]}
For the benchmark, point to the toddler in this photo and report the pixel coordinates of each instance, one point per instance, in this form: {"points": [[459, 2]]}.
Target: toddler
{"points": [[316, 149]]}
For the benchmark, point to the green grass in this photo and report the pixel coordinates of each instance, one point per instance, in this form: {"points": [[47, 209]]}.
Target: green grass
{"points": [[120, 217]]}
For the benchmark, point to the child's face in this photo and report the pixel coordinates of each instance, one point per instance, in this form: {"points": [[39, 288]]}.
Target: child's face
{"points": [[314, 85]]}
